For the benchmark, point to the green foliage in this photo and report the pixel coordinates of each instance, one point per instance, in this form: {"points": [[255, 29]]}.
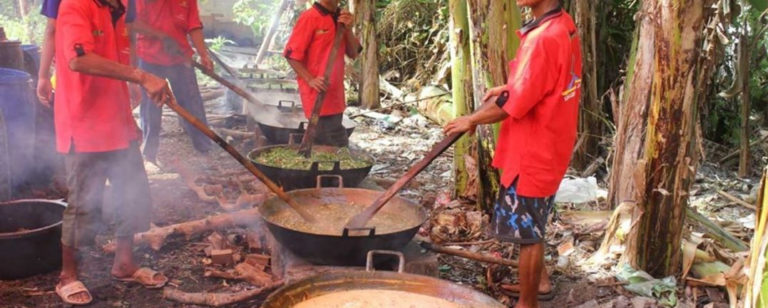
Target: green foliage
{"points": [[256, 14], [28, 30], [721, 118], [218, 42], [413, 37]]}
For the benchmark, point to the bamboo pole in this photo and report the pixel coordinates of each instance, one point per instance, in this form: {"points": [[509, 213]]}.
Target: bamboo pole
{"points": [[744, 57], [369, 92], [274, 24]]}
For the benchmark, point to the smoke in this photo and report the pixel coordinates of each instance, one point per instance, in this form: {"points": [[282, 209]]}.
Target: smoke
{"points": [[26, 155]]}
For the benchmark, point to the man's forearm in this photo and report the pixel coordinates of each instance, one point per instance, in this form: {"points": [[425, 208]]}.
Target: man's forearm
{"points": [[48, 51], [93, 64], [301, 70], [488, 113], [198, 40], [353, 44]]}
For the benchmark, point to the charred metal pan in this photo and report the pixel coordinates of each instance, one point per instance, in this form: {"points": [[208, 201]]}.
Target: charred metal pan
{"points": [[287, 119], [348, 247], [30, 237], [342, 281], [291, 179]]}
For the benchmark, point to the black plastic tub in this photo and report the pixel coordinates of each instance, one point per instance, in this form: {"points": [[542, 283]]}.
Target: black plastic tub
{"points": [[30, 237]]}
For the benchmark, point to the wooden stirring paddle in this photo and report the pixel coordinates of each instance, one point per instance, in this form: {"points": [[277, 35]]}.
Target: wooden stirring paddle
{"points": [[358, 221], [173, 104], [309, 135]]}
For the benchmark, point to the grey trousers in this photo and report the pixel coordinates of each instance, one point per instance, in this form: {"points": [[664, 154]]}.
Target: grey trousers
{"points": [[87, 174]]}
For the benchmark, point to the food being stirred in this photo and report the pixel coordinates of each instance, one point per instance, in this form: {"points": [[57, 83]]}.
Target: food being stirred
{"points": [[334, 217], [289, 158]]}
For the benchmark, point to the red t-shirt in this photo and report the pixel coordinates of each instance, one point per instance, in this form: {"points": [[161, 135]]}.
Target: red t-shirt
{"points": [[175, 18], [311, 43], [536, 140], [92, 114]]}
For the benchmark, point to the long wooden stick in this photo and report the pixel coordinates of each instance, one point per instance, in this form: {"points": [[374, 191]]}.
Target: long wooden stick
{"points": [[215, 299], [736, 153], [239, 91], [468, 255], [223, 65], [242, 160], [359, 220], [309, 135], [737, 200]]}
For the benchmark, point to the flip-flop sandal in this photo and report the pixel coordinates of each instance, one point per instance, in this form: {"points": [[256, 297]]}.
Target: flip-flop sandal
{"points": [[145, 277], [545, 297], [73, 288]]}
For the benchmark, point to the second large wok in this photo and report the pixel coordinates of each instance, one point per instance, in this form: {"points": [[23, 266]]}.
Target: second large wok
{"points": [[349, 247]]}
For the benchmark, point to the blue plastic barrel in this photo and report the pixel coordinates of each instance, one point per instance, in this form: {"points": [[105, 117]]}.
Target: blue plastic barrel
{"points": [[31, 59], [17, 104]]}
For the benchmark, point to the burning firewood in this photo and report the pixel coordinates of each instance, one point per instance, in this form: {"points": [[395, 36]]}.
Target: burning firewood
{"points": [[253, 275], [216, 299], [155, 237]]}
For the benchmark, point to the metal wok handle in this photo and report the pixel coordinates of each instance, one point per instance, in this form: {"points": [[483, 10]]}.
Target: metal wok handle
{"points": [[291, 139], [399, 255], [371, 231], [319, 183], [280, 103], [315, 166]]}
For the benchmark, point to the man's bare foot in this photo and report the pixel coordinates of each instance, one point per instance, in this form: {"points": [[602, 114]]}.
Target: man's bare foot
{"points": [[123, 269]]}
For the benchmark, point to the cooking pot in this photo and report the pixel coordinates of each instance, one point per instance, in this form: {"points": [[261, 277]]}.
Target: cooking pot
{"points": [[341, 281], [350, 246], [290, 179], [30, 237], [286, 118]]}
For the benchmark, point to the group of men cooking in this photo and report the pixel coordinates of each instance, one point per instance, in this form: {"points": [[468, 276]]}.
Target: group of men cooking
{"points": [[97, 79]]}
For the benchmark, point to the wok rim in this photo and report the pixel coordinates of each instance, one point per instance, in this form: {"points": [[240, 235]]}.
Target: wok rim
{"points": [[310, 285], [32, 232]]}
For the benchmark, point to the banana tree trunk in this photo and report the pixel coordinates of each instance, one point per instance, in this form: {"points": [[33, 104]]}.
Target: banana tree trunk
{"points": [[369, 86], [461, 85], [590, 117], [489, 20], [667, 169]]}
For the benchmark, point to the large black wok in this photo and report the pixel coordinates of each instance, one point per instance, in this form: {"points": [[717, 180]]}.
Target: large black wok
{"points": [[340, 281], [30, 237], [286, 119], [291, 179], [351, 246]]}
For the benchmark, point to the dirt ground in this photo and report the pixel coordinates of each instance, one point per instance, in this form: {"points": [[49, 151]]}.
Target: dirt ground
{"points": [[182, 259]]}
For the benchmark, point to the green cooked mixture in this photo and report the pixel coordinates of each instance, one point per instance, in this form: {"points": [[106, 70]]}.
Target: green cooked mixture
{"points": [[288, 158]]}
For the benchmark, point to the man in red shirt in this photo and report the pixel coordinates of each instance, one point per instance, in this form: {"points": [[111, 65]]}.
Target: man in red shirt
{"points": [[537, 136], [97, 132], [307, 52], [163, 27]]}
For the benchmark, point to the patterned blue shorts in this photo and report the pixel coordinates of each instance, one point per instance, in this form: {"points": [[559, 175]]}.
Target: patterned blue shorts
{"points": [[520, 219]]}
